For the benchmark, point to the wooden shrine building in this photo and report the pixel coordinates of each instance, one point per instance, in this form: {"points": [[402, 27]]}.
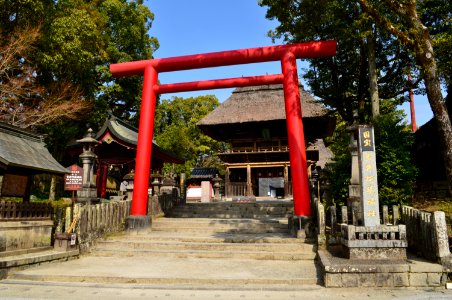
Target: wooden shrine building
{"points": [[116, 154], [22, 155], [253, 121]]}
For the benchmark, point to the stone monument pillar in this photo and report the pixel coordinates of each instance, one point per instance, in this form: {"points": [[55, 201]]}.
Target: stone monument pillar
{"points": [[88, 193], [371, 240]]}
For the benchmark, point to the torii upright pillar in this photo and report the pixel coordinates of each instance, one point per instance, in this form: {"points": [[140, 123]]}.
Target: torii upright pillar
{"points": [[287, 54]]}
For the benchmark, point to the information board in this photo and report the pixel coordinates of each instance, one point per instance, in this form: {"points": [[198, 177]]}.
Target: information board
{"points": [[74, 180]]}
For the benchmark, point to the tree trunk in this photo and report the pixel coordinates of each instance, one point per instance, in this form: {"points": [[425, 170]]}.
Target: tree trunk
{"points": [[373, 85], [52, 188], [425, 59]]}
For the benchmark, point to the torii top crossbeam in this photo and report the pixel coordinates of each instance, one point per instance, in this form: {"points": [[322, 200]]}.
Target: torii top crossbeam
{"points": [[287, 54]]}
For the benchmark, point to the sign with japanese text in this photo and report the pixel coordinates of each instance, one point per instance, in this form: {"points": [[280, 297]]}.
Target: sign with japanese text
{"points": [[368, 176], [74, 180]]}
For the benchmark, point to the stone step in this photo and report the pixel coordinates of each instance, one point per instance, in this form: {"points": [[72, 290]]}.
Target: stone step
{"points": [[213, 237], [258, 255], [189, 230], [222, 215], [13, 263], [218, 225], [207, 250], [233, 210], [140, 245], [189, 272]]}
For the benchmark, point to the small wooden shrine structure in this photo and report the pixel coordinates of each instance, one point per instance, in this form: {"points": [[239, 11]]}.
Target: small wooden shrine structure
{"points": [[116, 154], [22, 155], [253, 122]]}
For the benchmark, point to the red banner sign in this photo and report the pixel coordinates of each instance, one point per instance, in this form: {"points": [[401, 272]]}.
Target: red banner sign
{"points": [[73, 181]]}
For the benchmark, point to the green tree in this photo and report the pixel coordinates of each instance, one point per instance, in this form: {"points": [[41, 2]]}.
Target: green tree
{"points": [[402, 32], [410, 22], [176, 131], [343, 81], [396, 171], [79, 40]]}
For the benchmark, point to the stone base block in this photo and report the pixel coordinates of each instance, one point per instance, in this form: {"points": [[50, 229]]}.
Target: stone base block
{"points": [[65, 242], [302, 227], [374, 253], [138, 222], [415, 272]]}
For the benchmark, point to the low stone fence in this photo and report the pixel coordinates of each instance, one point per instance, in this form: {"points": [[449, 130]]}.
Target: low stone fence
{"points": [[426, 233]]}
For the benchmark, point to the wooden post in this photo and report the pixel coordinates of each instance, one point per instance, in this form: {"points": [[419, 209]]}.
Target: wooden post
{"points": [[226, 182], [249, 187], [286, 180]]}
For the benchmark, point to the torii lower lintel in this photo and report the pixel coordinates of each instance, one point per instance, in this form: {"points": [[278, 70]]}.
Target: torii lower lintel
{"points": [[287, 54]]}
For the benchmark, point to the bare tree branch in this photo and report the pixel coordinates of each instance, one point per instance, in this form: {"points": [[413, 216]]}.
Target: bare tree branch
{"points": [[23, 101]]}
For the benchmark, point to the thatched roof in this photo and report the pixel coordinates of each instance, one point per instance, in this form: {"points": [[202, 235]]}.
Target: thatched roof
{"points": [[261, 103]]}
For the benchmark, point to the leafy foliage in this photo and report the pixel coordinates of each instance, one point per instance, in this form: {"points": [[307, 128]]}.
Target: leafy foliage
{"points": [[395, 169], [339, 172], [78, 41], [342, 81], [176, 131]]}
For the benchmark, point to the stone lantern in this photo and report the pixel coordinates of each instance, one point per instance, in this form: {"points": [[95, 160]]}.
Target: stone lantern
{"points": [[216, 187], [88, 193], [156, 183], [129, 179]]}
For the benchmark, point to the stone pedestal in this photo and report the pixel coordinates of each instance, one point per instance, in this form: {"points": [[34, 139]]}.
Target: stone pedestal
{"points": [[302, 227], [138, 222], [374, 242]]}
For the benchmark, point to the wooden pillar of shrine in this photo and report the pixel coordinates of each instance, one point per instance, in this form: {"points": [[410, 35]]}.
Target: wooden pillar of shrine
{"points": [[286, 180], [226, 182], [249, 186]]}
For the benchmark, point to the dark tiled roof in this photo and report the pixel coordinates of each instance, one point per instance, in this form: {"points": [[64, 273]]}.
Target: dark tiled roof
{"points": [[22, 149], [207, 173], [121, 129], [124, 132]]}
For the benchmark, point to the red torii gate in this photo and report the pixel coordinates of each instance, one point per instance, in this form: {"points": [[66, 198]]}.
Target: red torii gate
{"points": [[287, 54]]}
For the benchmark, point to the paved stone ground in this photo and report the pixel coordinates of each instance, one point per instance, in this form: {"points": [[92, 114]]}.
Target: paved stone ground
{"points": [[14, 289]]}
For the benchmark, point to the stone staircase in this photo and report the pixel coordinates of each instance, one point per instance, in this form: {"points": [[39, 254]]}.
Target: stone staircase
{"points": [[214, 251], [234, 210]]}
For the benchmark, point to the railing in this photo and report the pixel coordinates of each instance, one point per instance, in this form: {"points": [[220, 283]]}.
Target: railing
{"points": [[426, 233], [236, 189], [257, 149], [22, 211]]}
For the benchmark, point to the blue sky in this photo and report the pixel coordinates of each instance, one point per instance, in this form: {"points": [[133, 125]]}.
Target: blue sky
{"points": [[199, 26]]}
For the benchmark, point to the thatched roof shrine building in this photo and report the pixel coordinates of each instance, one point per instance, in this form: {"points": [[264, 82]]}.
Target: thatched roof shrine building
{"points": [[253, 122]]}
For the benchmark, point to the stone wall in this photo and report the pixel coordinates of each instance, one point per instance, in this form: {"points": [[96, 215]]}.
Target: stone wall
{"points": [[24, 226], [19, 236], [370, 273]]}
